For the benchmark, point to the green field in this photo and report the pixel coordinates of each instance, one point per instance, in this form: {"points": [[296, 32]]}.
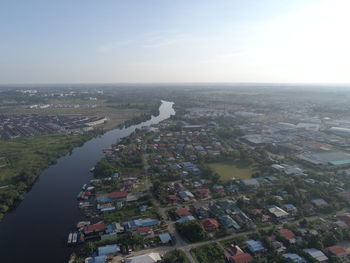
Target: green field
{"points": [[3, 162], [227, 171], [33, 154]]}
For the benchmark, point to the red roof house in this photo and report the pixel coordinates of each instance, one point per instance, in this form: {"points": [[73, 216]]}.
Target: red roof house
{"points": [[182, 212], [337, 251], [202, 193], [287, 234], [210, 224], [172, 198], [144, 230], [241, 258], [99, 227], [117, 195], [345, 217]]}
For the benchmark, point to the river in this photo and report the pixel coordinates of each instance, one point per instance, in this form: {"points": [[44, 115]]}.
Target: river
{"points": [[36, 231]]}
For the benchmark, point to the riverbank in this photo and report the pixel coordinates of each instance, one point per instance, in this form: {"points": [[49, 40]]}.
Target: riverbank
{"points": [[23, 159], [49, 209]]}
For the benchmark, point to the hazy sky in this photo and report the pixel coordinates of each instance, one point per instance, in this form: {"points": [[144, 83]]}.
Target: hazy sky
{"points": [[50, 41]]}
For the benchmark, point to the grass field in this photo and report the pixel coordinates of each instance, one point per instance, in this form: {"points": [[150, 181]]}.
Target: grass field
{"points": [[3, 162], [34, 153], [227, 171]]}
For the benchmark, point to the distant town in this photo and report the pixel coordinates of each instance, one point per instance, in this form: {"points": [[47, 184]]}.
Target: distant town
{"points": [[231, 177], [15, 126], [224, 183]]}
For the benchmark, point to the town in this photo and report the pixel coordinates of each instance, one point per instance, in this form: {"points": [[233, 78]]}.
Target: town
{"points": [[220, 183], [14, 126]]}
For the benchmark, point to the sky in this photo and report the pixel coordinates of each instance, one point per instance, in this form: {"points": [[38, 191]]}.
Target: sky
{"points": [[106, 41]]}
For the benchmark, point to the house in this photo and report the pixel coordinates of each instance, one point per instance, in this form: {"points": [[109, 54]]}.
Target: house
{"points": [[165, 238], [181, 212], [97, 259], [202, 193], [108, 249], [250, 184], [185, 219], [319, 202], [118, 195], [255, 246], [146, 258], [172, 198], [316, 254], [228, 222], [210, 224], [186, 195], [115, 228], [241, 258], [144, 230], [287, 234], [337, 251], [95, 228], [295, 258], [290, 209], [234, 254], [133, 224], [277, 212], [345, 217], [201, 210]]}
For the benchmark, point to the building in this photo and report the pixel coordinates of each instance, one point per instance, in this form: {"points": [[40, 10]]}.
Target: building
{"points": [[287, 234], [316, 254], [182, 212], [96, 228], [277, 212], [146, 258], [241, 258], [228, 222], [108, 250], [210, 224], [165, 238], [255, 246], [337, 251], [295, 258], [250, 183], [97, 259]]}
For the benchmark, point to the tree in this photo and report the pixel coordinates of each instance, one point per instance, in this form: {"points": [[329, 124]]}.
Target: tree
{"points": [[103, 169], [192, 231], [329, 239], [175, 256]]}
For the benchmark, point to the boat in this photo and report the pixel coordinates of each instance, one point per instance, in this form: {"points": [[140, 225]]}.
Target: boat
{"points": [[75, 238], [80, 194], [92, 169], [83, 223], [81, 238], [70, 237], [84, 187], [72, 258]]}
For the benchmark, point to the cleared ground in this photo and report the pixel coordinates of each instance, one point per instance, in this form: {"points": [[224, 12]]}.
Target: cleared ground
{"points": [[228, 171]]}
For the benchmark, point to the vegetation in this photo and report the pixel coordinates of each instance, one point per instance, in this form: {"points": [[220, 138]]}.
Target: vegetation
{"points": [[130, 212], [211, 253], [192, 230], [26, 158], [175, 256]]}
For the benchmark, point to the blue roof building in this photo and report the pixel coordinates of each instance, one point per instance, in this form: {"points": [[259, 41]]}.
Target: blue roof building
{"points": [[175, 166], [255, 246], [98, 259], [108, 249], [165, 238], [294, 258], [185, 219]]}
